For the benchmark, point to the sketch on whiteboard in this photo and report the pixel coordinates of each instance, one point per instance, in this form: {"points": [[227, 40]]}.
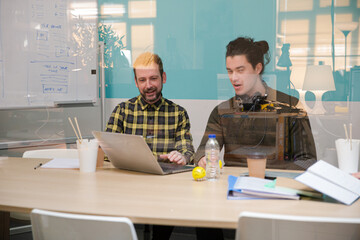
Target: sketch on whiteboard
{"points": [[37, 9], [53, 75], [50, 67], [60, 9], [50, 54], [42, 35]]}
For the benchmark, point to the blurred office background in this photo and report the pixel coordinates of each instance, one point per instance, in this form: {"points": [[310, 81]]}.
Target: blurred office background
{"points": [[191, 37]]}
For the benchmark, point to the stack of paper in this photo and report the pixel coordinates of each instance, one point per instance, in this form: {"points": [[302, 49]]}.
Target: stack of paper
{"points": [[331, 181], [257, 188], [62, 163]]}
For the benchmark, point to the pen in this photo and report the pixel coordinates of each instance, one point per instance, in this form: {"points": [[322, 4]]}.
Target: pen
{"points": [[37, 166]]}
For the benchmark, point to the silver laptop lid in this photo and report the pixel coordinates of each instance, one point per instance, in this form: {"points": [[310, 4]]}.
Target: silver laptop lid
{"points": [[129, 152]]}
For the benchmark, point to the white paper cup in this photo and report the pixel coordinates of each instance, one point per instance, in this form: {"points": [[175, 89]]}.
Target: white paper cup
{"points": [[348, 154], [88, 151]]}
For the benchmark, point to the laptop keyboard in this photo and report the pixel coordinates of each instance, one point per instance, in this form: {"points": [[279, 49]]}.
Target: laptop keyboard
{"points": [[171, 167]]}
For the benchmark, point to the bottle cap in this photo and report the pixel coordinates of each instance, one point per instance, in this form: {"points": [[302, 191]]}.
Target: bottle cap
{"points": [[212, 135]]}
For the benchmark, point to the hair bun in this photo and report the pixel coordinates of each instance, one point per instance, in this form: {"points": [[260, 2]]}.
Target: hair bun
{"points": [[255, 52], [263, 45]]}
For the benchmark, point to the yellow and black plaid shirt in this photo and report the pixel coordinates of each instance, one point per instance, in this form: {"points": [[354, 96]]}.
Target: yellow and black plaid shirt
{"points": [[164, 125]]}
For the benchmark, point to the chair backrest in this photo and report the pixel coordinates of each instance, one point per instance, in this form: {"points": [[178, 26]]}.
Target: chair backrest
{"points": [[51, 153], [44, 153], [56, 225], [253, 226]]}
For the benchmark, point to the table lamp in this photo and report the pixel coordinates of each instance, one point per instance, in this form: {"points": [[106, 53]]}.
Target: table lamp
{"points": [[297, 79], [284, 60], [346, 28], [319, 79]]}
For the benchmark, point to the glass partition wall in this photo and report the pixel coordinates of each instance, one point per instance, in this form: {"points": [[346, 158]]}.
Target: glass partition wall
{"points": [[314, 56], [307, 37]]}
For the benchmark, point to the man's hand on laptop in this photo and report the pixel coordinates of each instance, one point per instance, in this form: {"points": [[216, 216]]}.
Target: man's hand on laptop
{"points": [[202, 162], [175, 157]]}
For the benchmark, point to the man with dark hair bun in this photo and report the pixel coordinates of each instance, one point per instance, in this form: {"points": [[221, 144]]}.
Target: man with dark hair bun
{"points": [[249, 121]]}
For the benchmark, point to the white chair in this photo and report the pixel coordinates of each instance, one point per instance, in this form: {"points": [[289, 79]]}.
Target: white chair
{"points": [[56, 225], [43, 153], [51, 153], [254, 226]]}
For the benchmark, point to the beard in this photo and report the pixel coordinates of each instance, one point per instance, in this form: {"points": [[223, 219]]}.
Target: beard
{"points": [[154, 97]]}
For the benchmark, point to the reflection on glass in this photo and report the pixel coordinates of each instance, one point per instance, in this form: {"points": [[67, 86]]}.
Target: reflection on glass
{"points": [[84, 10], [113, 36], [296, 32], [119, 30], [346, 28], [193, 47], [142, 9], [114, 10], [297, 79], [323, 40], [142, 39], [327, 3], [357, 59], [319, 79], [322, 46], [295, 5]]}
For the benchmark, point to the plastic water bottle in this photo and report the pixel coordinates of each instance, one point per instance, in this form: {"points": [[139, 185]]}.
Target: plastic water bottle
{"points": [[212, 150]]}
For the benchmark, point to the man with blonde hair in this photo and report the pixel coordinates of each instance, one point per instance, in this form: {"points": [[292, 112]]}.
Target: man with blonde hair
{"points": [[164, 125]]}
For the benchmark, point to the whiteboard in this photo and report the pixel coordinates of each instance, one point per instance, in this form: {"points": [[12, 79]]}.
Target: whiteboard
{"points": [[48, 52]]}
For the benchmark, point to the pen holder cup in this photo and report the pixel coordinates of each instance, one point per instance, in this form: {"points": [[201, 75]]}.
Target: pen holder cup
{"points": [[348, 154], [88, 154]]}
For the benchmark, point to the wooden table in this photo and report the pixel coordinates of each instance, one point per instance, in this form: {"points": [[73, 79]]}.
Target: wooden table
{"points": [[144, 198]]}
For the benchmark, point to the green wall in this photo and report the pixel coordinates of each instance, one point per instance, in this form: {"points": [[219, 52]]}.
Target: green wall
{"points": [[191, 35]]}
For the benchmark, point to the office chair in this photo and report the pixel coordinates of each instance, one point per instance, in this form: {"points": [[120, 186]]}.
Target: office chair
{"points": [[56, 225], [253, 226], [43, 153], [51, 153]]}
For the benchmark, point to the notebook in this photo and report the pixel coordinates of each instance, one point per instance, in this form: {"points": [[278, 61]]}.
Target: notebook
{"points": [[130, 152]]}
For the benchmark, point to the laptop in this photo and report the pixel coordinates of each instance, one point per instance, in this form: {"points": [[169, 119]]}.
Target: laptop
{"points": [[131, 152]]}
